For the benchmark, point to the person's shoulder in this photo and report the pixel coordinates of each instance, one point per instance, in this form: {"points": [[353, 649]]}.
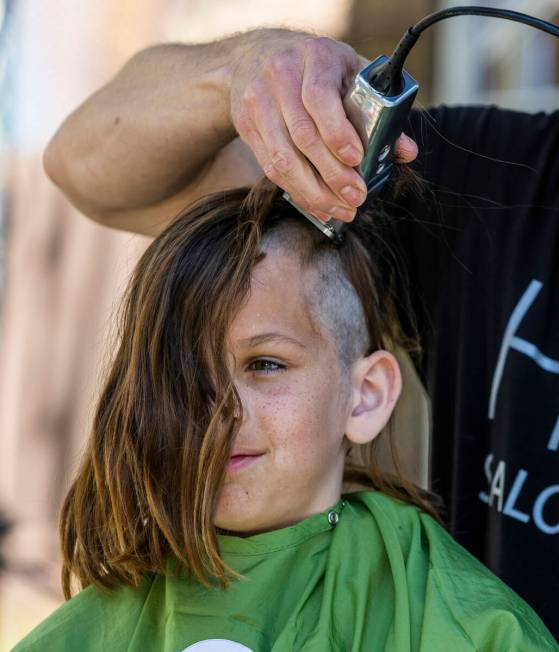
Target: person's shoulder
{"points": [[84, 611], [88, 621], [451, 585], [472, 595]]}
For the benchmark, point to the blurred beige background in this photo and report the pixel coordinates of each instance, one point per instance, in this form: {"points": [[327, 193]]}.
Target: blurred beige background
{"points": [[61, 275]]}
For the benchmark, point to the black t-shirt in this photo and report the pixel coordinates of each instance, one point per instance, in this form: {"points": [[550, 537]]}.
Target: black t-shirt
{"points": [[482, 249]]}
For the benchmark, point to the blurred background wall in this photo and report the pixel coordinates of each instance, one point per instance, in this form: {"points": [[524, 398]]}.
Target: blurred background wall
{"points": [[61, 275]]}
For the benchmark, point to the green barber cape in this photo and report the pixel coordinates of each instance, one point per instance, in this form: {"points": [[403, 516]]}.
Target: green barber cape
{"points": [[384, 577]]}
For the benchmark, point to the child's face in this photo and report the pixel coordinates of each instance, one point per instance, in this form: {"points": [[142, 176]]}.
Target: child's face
{"points": [[296, 401]]}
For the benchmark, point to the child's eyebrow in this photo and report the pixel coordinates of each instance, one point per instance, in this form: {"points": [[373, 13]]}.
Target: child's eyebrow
{"points": [[263, 338]]}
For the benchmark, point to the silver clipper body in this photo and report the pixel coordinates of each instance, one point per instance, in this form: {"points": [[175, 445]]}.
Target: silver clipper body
{"points": [[379, 120]]}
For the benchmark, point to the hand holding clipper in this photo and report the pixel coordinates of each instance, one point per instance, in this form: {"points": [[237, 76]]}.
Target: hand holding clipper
{"points": [[382, 95], [379, 118]]}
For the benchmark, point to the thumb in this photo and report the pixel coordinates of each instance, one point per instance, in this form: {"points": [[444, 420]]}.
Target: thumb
{"points": [[405, 149]]}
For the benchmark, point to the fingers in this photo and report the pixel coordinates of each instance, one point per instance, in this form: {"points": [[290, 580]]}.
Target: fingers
{"points": [[289, 111], [288, 167], [331, 145], [325, 76], [405, 149], [345, 185]]}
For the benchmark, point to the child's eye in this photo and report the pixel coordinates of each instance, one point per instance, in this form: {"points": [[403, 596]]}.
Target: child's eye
{"points": [[266, 366]]}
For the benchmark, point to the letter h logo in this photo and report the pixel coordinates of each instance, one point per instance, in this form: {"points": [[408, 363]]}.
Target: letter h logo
{"points": [[512, 342]]}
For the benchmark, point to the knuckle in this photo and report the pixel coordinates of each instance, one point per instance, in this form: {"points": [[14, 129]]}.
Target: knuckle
{"points": [[303, 133], [337, 138], [315, 196], [284, 162], [252, 94], [282, 63], [318, 45], [315, 199], [299, 198], [307, 202], [313, 93], [332, 177], [271, 172], [269, 67], [350, 53], [243, 124]]}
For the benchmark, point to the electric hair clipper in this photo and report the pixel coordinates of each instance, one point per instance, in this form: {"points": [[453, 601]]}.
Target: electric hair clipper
{"points": [[379, 118], [381, 97]]}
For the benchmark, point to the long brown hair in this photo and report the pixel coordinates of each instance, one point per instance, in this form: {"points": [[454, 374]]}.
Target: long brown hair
{"points": [[168, 412]]}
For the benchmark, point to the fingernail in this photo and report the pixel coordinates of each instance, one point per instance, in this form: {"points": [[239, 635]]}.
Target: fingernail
{"points": [[350, 154], [352, 195], [341, 213], [406, 149]]}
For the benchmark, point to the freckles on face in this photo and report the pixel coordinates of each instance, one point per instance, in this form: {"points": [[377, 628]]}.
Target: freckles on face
{"points": [[294, 406]]}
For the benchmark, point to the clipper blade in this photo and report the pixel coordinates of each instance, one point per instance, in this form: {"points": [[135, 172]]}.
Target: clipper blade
{"points": [[332, 228]]}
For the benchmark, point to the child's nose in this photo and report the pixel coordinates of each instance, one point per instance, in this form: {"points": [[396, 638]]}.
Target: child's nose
{"points": [[242, 409]]}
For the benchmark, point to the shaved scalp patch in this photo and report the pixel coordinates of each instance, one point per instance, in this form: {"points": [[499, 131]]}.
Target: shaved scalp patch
{"points": [[333, 302]]}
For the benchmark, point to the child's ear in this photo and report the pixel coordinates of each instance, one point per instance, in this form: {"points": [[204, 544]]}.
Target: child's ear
{"points": [[376, 385]]}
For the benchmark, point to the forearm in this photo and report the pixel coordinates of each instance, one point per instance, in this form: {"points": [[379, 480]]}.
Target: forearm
{"points": [[163, 133], [151, 131]]}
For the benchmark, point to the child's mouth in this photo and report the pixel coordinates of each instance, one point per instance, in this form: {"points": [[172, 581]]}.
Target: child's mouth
{"points": [[237, 462]]}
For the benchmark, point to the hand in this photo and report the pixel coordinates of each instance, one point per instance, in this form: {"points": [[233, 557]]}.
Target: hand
{"points": [[286, 105]]}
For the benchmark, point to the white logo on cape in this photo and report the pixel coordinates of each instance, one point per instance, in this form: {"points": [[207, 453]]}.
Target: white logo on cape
{"points": [[217, 645]]}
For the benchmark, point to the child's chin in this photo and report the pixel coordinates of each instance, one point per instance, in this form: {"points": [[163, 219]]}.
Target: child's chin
{"points": [[238, 511]]}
